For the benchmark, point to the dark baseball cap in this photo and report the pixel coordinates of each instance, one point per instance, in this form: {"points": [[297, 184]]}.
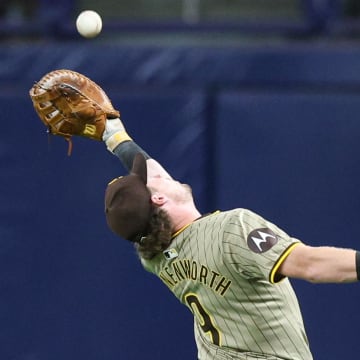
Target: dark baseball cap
{"points": [[128, 202]]}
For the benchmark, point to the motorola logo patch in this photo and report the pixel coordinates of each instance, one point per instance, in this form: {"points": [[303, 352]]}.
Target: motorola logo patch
{"points": [[261, 240]]}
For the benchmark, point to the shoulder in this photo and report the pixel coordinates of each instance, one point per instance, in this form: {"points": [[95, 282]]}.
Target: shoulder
{"points": [[238, 216], [228, 225], [226, 220]]}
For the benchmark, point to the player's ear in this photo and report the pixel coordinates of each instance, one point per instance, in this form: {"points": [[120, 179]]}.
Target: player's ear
{"points": [[158, 199]]}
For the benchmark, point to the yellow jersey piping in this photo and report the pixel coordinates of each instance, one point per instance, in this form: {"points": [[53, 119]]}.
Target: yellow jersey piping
{"points": [[280, 261], [184, 227]]}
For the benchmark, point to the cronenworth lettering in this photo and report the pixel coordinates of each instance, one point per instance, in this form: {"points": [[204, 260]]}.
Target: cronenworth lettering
{"points": [[181, 270]]}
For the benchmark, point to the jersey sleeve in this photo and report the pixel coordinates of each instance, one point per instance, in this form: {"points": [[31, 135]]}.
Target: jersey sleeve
{"points": [[255, 246]]}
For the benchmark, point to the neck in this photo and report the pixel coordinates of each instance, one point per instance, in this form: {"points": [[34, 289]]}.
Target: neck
{"points": [[184, 216]]}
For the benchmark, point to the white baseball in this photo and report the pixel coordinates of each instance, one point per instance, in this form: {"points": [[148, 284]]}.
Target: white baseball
{"points": [[89, 23]]}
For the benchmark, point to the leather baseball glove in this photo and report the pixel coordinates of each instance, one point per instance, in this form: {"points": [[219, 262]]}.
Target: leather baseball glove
{"points": [[69, 103]]}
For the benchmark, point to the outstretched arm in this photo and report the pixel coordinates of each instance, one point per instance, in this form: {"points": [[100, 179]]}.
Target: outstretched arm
{"points": [[122, 145], [322, 264]]}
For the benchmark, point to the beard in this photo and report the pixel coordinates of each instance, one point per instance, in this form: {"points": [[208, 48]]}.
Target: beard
{"points": [[159, 236]]}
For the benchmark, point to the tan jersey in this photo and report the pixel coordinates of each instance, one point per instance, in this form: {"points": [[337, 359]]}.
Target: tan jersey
{"points": [[223, 268]]}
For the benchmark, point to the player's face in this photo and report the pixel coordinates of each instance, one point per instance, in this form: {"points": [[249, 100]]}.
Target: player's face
{"points": [[173, 189]]}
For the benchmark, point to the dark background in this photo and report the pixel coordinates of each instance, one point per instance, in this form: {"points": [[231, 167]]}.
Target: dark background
{"points": [[255, 107]]}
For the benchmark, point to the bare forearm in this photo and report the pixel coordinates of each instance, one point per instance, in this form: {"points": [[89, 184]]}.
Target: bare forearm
{"points": [[321, 264], [334, 265]]}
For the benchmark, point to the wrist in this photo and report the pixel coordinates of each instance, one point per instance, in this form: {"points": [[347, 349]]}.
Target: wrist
{"points": [[114, 134], [116, 139]]}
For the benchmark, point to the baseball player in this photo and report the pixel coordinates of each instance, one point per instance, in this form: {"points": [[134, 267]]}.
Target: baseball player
{"points": [[231, 268]]}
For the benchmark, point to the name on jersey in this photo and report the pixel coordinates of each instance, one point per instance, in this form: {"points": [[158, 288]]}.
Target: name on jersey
{"points": [[185, 270]]}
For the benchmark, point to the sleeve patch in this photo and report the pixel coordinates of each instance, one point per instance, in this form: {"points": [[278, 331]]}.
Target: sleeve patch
{"points": [[261, 240]]}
